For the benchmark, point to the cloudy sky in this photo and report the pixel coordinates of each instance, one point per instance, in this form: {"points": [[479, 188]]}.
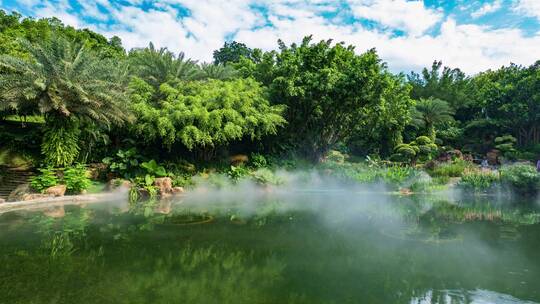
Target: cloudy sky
{"points": [[408, 34]]}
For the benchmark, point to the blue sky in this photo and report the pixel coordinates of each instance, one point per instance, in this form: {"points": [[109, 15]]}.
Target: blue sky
{"points": [[408, 34]]}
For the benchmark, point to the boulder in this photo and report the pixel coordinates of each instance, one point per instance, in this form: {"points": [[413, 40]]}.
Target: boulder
{"points": [[18, 193], [97, 170], [2, 200], [58, 190], [164, 185], [177, 190]]}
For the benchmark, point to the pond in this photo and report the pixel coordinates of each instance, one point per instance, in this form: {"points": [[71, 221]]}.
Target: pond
{"points": [[305, 246]]}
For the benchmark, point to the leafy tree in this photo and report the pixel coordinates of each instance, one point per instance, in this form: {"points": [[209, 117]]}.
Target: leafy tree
{"points": [[68, 84], [509, 97], [232, 52], [203, 115], [326, 89], [381, 125], [431, 112]]}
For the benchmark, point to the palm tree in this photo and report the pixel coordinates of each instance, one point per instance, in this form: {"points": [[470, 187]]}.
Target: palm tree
{"points": [[158, 66], [430, 112], [69, 85], [217, 71]]}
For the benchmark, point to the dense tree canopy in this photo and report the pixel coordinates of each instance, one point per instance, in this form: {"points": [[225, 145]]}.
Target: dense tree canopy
{"points": [[203, 115], [304, 98]]}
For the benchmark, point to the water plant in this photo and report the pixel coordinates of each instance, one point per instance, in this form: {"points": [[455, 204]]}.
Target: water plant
{"points": [[478, 180]]}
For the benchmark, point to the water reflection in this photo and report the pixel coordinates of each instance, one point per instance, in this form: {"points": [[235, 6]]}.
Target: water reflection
{"points": [[329, 247]]}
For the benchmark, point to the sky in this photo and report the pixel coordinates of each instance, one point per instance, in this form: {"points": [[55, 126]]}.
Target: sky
{"points": [[408, 34]]}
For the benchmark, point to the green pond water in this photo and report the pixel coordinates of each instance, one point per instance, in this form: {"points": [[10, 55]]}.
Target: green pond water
{"points": [[297, 247]]}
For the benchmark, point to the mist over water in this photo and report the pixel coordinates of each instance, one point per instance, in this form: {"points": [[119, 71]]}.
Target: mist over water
{"points": [[313, 238]]}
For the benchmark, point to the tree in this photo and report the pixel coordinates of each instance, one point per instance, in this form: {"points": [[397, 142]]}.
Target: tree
{"points": [[159, 66], [217, 71], [381, 125], [232, 52], [449, 84], [430, 113], [326, 89], [69, 85], [204, 115]]}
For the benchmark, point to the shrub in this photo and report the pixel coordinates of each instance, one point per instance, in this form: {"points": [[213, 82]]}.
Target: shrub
{"points": [[47, 178], [397, 174], [522, 178], [152, 168], [478, 180], [61, 144], [257, 161], [236, 173], [265, 177], [76, 179], [335, 156], [124, 163], [454, 169], [505, 144]]}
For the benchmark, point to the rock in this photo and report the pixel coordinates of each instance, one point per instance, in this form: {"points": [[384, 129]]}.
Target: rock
{"points": [[164, 207], [2, 200], [34, 196], [18, 193], [405, 191], [493, 157], [58, 190], [97, 170], [164, 185], [178, 190], [117, 183], [239, 159]]}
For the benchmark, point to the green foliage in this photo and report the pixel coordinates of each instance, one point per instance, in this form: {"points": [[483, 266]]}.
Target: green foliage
{"points": [[204, 115], [152, 168], [505, 144], [76, 179], [237, 173], [432, 112], [232, 52], [522, 178], [159, 66], [326, 88], [265, 176], [452, 169], [398, 174], [257, 161], [335, 156], [61, 143], [47, 178], [125, 163], [478, 180]]}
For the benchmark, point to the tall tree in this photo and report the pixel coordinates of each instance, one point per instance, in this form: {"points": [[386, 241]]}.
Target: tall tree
{"points": [[232, 52], [69, 85], [431, 112], [325, 87]]}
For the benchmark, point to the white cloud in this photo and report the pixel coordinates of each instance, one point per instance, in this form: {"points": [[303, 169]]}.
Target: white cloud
{"points": [[487, 8], [413, 17], [529, 8], [209, 23]]}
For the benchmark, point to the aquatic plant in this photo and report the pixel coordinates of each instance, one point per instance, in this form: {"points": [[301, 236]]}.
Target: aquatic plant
{"points": [[478, 180], [453, 169]]}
